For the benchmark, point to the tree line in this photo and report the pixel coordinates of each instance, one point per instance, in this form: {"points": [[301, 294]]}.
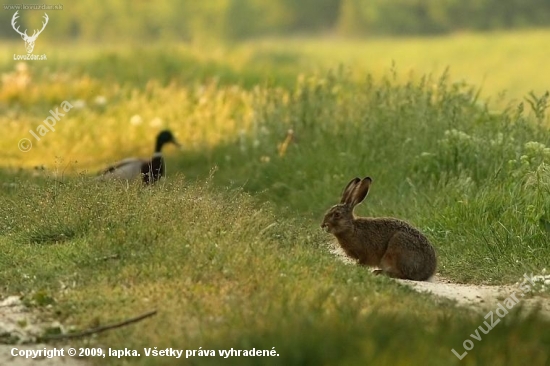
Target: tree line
{"points": [[105, 20]]}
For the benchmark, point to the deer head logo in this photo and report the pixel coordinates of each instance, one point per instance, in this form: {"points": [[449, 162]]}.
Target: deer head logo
{"points": [[29, 41]]}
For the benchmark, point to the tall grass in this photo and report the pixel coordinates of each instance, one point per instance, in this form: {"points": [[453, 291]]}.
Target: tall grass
{"points": [[475, 180]]}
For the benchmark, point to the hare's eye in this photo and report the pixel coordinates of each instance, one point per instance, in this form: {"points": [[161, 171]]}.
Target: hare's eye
{"points": [[337, 215]]}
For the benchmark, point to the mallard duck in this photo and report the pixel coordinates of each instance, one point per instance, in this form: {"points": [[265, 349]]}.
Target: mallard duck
{"points": [[149, 170]]}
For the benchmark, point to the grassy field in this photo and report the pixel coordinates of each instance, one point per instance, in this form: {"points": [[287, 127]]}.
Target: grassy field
{"points": [[505, 66], [228, 248]]}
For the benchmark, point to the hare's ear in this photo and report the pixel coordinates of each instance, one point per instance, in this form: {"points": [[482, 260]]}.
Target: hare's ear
{"points": [[361, 191], [347, 194]]}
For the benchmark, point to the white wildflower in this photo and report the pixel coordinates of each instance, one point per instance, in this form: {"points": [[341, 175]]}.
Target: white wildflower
{"points": [[136, 120], [100, 100], [79, 104]]}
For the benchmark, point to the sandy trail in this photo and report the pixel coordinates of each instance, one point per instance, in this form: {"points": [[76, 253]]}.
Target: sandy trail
{"points": [[484, 297], [478, 297], [19, 323]]}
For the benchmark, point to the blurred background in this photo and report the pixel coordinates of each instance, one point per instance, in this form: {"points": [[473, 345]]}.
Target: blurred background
{"points": [[233, 20], [119, 61]]}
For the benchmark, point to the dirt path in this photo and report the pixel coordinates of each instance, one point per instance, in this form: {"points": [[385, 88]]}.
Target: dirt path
{"points": [[485, 297], [19, 325], [479, 297]]}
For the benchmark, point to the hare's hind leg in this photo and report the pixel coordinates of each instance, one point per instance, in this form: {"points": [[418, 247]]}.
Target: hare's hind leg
{"points": [[402, 259], [390, 263], [381, 272]]}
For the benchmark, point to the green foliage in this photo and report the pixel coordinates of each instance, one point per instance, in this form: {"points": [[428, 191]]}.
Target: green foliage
{"points": [[42, 298], [436, 16]]}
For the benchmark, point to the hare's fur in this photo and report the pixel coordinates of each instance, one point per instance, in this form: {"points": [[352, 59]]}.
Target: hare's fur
{"points": [[393, 245]]}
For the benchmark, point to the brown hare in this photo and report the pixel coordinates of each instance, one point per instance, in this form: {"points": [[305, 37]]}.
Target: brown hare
{"points": [[400, 250]]}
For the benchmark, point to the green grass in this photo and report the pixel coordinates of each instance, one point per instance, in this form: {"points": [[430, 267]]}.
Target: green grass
{"points": [[224, 271], [228, 248], [506, 66]]}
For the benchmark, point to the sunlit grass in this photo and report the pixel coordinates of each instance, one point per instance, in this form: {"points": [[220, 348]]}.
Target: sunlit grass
{"points": [[496, 62], [108, 121], [207, 97]]}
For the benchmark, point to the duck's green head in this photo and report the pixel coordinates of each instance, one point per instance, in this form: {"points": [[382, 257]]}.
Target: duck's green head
{"points": [[165, 137]]}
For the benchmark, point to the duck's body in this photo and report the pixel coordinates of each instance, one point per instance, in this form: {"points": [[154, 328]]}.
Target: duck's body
{"points": [[149, 171]]}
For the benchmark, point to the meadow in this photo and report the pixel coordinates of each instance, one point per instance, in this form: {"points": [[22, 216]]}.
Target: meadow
{"points": [[228, 248]]}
